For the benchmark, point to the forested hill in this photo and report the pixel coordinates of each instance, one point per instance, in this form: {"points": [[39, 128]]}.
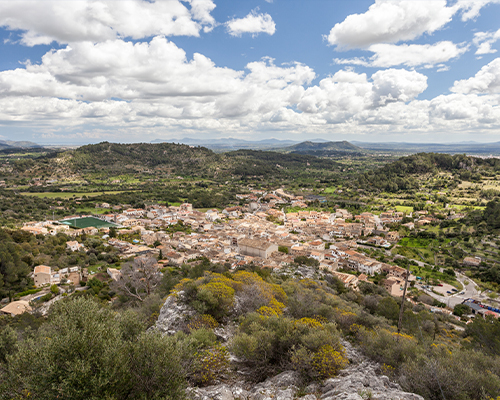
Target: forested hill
{"points": [[128, 157], [404, 173], [324, 148], [180, 159]]}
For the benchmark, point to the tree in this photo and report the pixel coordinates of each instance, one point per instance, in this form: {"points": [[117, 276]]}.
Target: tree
{"points": [[54, 289], [283, 249], [461, 309], [139, 279]]}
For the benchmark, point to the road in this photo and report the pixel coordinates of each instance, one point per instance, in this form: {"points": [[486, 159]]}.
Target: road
{"points": [[471, 290]]}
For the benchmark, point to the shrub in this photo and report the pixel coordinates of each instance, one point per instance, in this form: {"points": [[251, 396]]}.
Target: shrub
{"points": [[327, 361], [54, 289], [272, 343], [205, 321], [210, 364]]}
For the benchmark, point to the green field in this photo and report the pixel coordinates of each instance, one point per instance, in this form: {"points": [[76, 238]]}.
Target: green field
{"points": [[68, 195], [405, 209], [85, 222]]}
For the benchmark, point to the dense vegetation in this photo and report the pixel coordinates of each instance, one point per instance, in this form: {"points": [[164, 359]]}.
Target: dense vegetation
{"points": [[402, 174], [87, 350]]}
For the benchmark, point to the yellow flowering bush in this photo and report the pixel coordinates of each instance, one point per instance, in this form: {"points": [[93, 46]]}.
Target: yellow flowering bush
{"points": [[327, 361], [202, 321], [310, 322], [210, 364], [266, 311]]}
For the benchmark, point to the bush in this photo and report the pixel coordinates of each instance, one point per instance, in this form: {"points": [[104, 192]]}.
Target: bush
{"points": [[54, 289], [85, 351], [270, 344], [210, 364]]}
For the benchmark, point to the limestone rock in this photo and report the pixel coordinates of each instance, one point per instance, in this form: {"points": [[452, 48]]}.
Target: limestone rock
{"points": [[173, 315]]}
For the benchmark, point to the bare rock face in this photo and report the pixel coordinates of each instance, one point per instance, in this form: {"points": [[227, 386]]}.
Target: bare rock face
{"points": [[173, 315], [360, 381], [280, 387], [357, 382]]}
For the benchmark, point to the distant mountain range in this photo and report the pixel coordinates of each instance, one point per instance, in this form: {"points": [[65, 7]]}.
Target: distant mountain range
{"points": [[225, 144], [452, 148], [11, 144], [322, 147]]}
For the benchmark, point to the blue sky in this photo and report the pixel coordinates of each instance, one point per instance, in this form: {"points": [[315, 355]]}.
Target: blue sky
{"points": [[80, 71]]}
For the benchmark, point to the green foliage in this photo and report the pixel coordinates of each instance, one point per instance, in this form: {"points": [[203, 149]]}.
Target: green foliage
{"points": [[283, 249], [210, 364], [461, 309], [270, 343], [83, 352], [8, 343], [303, 260], [54, 289], [485, 334]]}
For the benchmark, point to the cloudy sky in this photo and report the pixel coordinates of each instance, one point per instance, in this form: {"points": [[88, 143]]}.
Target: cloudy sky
{"points": [[79, 71]]}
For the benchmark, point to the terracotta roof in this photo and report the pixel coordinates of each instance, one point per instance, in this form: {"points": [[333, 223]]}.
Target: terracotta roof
{"points": [[42, 269]]}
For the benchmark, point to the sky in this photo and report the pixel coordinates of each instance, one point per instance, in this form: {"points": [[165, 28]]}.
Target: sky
{"points": [[86, 71]]}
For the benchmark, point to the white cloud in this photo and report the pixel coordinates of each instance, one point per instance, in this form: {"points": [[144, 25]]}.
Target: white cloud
{"points": [[392, 21], [484, 41], [42, 22], [389, 55], [152, 88], [487, 80], [253, 23], [470, 9]]}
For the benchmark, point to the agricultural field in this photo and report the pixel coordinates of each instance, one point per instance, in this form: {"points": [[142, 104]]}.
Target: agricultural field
{"points": [[69, 195]]}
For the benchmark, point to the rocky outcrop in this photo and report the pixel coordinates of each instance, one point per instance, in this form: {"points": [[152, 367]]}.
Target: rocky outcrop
{"points": [[359, 381], [173, 315]]}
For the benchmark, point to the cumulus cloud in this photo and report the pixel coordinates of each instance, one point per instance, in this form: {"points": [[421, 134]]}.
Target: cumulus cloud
{"points": [[470, 9], [346, 93], [153, 87], [389, 55], [42, 22], [392, 21], [253, 23], [487, 80], [484, 41]]}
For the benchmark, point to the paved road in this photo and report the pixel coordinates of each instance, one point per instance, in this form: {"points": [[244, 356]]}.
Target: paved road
{"points": [[471, 290]]}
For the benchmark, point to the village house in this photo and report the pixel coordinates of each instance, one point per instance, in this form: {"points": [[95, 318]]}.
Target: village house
{"points": [[16, 308], [74, 245], [42, 275], [392, 236], [394, 285]]}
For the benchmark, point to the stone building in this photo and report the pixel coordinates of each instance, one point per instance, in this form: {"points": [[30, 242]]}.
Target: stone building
{"points": [[42, 275], [256, 247]]}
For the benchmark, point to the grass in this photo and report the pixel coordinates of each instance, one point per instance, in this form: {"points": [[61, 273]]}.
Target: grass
{"points": [[405, 209], [461, 207], [331, 189], [68, 195], [415, 242], [91, 210]]}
